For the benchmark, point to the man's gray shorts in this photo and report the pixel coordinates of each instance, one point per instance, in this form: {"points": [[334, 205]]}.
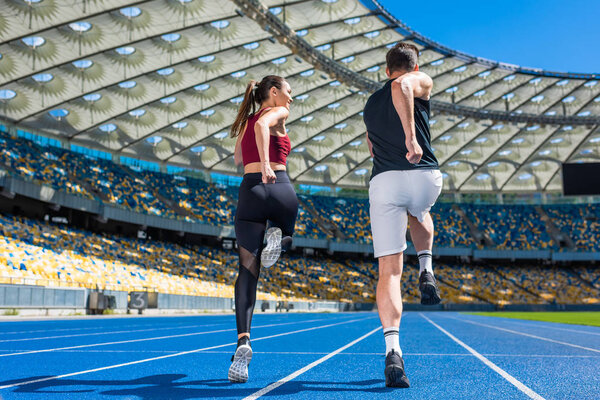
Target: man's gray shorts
{"points": [[391, 195]]}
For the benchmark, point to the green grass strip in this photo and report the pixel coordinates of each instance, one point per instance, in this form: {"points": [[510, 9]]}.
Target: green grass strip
{"points": [[563, 317]]}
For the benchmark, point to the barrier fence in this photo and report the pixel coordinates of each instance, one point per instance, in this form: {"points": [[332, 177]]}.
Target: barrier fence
{"points": [[29, 293], [20, 295]]}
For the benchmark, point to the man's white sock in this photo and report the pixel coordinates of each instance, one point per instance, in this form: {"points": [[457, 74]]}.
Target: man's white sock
{"points": [[392, 340], [425, 261]]}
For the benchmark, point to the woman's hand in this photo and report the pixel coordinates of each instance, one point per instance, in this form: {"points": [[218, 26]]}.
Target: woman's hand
{"points": [[268, 176]]}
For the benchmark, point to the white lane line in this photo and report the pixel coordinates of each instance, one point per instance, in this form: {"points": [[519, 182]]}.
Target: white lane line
{"points": [[518, 384], [60, 330], [172, 326], [342, 354], [145, 339], [299, 372], [103, 333], [24, 332], [533, 325], [51, 378], [423, 354], [527, 335]]}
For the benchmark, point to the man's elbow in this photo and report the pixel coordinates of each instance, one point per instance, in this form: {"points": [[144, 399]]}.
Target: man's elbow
{"points": [[404, 86]]}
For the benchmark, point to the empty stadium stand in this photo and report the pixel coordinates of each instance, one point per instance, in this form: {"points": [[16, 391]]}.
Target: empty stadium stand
{"points": [[34, 252], [176, 196]]}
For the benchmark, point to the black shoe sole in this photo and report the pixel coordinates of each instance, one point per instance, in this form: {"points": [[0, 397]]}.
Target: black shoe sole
{"points": [[430, 295], [395, 377]]}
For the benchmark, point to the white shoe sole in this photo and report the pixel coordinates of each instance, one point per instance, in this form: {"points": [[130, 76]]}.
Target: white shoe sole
{"points": [[238, 371], [272, 250]]}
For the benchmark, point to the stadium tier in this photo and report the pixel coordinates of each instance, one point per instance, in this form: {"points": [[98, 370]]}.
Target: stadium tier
{"points": [[351, 216], [509, 227], [46, 254], [31, 162], [203, 201], [582, 223]]}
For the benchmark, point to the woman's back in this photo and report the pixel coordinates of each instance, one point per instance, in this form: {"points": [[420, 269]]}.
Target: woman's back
{"points": [[279, 146]]}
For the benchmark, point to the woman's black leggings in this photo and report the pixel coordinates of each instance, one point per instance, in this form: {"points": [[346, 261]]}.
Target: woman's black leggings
{"points": [[259, 203]]}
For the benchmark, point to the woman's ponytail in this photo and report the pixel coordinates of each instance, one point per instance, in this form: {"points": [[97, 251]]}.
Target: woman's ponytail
{"points": [[247, 108]]}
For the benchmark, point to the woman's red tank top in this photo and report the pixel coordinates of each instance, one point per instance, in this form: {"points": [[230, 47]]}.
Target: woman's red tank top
{"points": [[279, 146]]}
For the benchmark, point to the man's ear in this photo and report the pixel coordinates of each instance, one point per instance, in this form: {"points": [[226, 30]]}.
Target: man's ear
{"points": [[387, 72], [416, 67]]}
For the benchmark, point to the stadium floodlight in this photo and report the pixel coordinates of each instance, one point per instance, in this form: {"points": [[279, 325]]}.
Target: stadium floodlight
{"points": [[7, 94], [82, 64], [137, 113], [130, 12], [91, 97], [42, 78], [171, 37], [252, 46], [80, 27], [202, 87], [34, 41]]}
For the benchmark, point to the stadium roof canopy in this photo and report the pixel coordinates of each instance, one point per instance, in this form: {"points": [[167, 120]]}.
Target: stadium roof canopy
{"points": [[161, 80]]}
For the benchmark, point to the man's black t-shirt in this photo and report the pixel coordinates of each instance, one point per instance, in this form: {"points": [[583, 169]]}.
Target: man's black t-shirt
{"points": [[388, 137]]}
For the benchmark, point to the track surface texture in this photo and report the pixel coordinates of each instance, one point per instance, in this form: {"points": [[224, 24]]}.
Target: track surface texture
{"points": [[297, 356]]}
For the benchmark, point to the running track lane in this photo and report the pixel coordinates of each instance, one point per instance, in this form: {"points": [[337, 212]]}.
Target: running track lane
{"points": [[148, 342], [562, 367], [186, 359], [433, 360]]}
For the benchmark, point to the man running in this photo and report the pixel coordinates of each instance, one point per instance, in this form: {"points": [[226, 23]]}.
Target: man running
{"points": [[405, 183]]}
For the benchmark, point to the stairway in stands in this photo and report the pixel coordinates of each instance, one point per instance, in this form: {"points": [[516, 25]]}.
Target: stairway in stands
{"points": [[479, 237]]}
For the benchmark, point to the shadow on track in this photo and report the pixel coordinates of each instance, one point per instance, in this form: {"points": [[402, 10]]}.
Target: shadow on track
{"points": [[173, 386]]}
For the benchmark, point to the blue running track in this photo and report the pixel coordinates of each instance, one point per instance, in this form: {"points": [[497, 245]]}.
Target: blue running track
{"points": [[297, 356]]}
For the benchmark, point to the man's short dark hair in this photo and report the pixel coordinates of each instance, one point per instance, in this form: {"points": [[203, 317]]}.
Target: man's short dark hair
{"points": [[402, 57]]}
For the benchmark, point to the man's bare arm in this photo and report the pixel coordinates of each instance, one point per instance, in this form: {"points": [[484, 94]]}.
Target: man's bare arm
{"points": [[370, 145], [404, 90]]}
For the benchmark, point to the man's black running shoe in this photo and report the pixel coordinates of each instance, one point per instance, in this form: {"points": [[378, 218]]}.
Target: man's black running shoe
{"points": [[394, 371], [430, 294]]}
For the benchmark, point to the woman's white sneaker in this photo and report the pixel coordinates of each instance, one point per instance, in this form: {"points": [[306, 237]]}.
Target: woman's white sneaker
{"points": [[272, 250], [238, 371]]}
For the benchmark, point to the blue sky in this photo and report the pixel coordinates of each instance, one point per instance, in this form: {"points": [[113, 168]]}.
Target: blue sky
{"points": [[557, 35]]}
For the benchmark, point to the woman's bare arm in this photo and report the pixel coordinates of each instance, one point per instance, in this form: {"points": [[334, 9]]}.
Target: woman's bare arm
{"points": [[237, 154], [262, 129]]}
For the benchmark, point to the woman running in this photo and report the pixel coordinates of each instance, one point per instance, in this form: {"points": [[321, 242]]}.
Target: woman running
{"points": [[266, 195]]}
